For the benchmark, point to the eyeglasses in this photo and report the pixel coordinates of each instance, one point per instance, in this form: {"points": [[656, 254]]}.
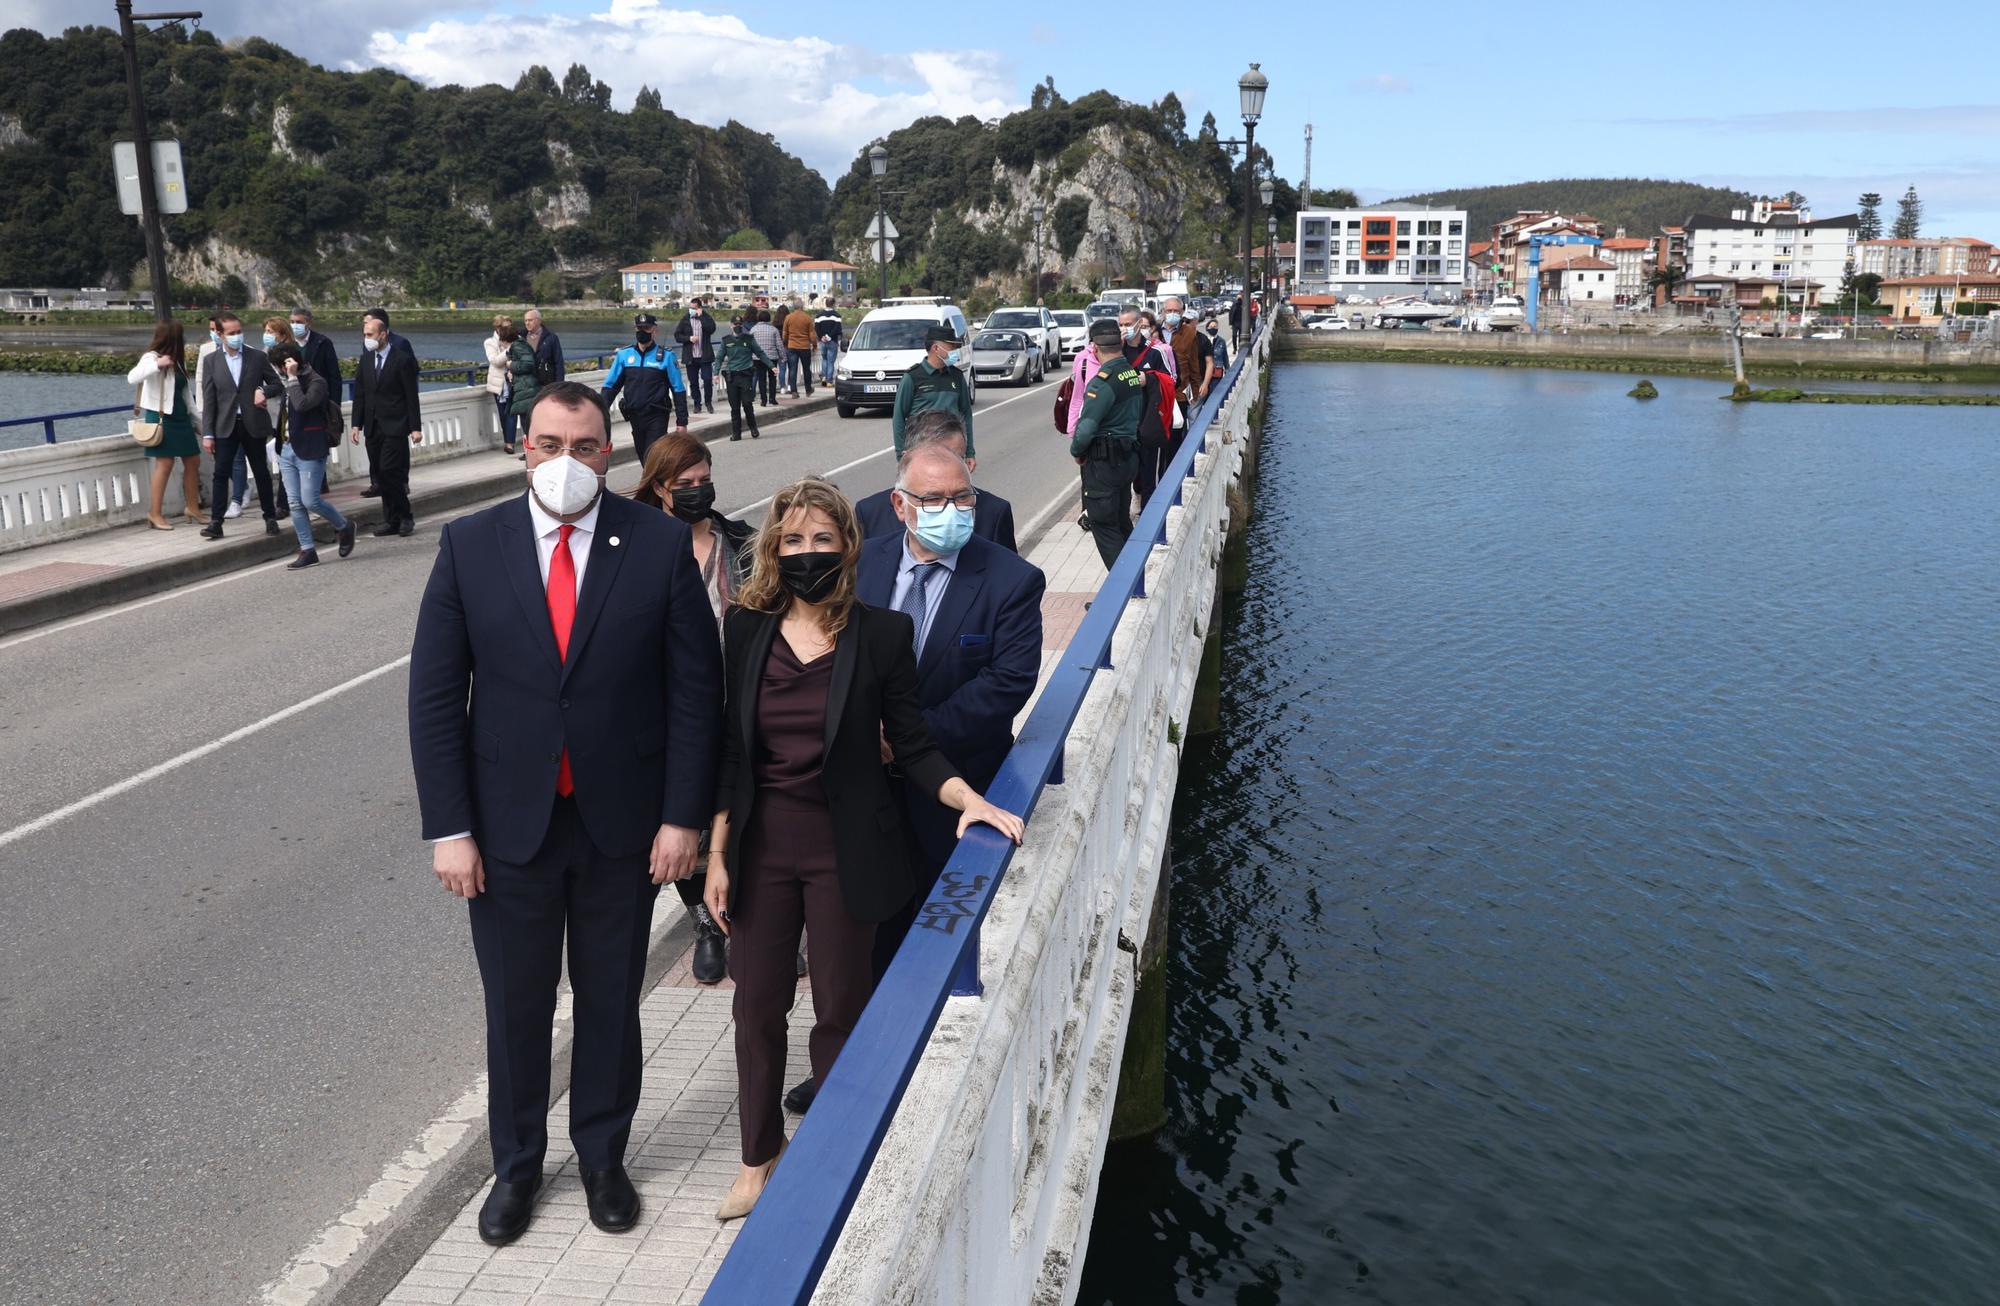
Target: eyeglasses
{"points": [[934, 502], [550, 447]]}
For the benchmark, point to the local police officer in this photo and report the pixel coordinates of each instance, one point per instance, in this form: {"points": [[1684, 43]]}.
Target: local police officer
{"points": [[1106, 441], [651, 380], [935, 382]]}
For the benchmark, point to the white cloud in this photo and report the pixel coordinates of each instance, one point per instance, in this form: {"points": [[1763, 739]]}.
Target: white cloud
{"points": [[817, 98], [1385, 83]]}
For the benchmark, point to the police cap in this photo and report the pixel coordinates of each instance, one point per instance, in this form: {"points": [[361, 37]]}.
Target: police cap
{"points": [[644, 320], [937, 331], [1104, 331]]}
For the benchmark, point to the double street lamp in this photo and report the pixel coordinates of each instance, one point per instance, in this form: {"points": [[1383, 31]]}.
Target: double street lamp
{"points": [[1250, 89], [1037, 212]]}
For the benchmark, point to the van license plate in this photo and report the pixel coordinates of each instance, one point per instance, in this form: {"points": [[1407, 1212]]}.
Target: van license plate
{"points": [[881, 390]]}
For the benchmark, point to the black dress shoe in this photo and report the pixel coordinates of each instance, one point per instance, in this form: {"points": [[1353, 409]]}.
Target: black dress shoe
{"points": [[711, 949], [385, 530], [270, 526], [800, 1099], [306, 558], [371, 493], [614, 1202], [408, 528], [346, 539], [212, 531], [507, 1211]]}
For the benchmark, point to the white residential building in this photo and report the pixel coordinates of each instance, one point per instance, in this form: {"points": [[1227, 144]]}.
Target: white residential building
{"points": [[1588, 281], [1387, 249], [1772, 239], [1946, 256]]}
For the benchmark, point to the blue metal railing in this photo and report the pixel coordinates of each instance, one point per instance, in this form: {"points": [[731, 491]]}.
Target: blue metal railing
{"points": [[784, 1245], [47, 421]]}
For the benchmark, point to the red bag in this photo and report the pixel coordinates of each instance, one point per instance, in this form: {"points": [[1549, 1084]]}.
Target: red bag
{"points": [[1064, 394]]}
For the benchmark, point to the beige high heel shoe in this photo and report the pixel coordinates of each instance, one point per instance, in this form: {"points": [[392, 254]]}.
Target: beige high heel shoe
{"points": [[735, 1207]]}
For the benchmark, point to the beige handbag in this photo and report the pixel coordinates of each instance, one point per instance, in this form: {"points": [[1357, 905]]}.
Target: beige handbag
{"points": [[146, 434]]}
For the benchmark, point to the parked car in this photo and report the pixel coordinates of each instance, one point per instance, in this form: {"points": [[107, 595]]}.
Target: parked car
{"points": [[1008, 356], [1070, 322], [1038, 322], [1327, 322], [885, 344]]}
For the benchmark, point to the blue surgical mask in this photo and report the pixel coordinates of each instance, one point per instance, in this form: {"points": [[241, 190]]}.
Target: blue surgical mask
{"points": [[956, 358], [215, 335], [269, 340], [234, 340], [944, 530], [298, 331], [1173, 320]]}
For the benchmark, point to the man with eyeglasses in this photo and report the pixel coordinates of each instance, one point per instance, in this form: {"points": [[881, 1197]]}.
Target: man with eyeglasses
{"points": [[565, 725], [977, 613], [992, 516]]}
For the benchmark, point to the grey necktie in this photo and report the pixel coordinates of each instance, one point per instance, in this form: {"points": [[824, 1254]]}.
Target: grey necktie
{"points": [[916, 602]]}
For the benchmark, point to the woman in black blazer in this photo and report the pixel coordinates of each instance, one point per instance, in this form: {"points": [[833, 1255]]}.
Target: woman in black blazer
{"points": [[820, 689]]}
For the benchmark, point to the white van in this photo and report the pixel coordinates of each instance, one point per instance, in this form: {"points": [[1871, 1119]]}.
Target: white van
{"points": [[887, 343]]}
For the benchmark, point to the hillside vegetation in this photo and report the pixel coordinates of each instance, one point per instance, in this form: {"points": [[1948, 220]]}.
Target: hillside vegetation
{"points": [[1641, 205]]}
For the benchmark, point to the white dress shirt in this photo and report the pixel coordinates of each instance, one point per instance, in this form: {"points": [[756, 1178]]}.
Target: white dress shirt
{"points": [[547, 532]]}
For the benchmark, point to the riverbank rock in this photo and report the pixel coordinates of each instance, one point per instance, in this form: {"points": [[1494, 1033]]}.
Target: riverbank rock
{"points": [[1643, 390]]}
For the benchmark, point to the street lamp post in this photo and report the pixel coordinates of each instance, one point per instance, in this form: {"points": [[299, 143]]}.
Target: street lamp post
{"points": [[1271, 273], [1037, 213], [1250, 89], [878, 167], [142, 146], [1104, 254]]}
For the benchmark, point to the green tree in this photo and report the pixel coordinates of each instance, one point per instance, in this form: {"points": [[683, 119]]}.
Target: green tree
{"points": [[1794, 199], [1071, 221], [647, 98], [545, 286], [1869, 227], [1339, 197], [537, 80], [1909, 216], [747, 238], [1172, 117], [1665, 278]]}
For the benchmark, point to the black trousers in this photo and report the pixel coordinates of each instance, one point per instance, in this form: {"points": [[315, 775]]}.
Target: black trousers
{"points": [[604, 905], [802, 366], [767, 384], [741, 387], [647, 426], [389, 465], [225, 465], [701, 381], [1107, 501]]}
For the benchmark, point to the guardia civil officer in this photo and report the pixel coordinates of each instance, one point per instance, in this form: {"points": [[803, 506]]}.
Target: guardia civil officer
{"points": [[937, 381], [651, 380], [1106, 441]]}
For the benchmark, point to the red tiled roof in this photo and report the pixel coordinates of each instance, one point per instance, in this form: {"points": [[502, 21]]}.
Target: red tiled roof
{"points": [[1628, 242], [753, 255], [1588, 265], [1944, 279], [648, 267], [823, 265]]}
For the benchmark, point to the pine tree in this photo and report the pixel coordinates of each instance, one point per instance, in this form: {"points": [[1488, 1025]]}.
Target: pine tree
{"points": [[1909, 216], [648, 98], [1870, 225]]}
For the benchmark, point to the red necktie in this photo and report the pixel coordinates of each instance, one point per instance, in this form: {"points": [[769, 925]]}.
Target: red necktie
{"points": [[562, 615]]}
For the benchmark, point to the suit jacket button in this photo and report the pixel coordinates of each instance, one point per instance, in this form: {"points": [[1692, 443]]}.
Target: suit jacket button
{"points": [[555, 756], [564, 705]]}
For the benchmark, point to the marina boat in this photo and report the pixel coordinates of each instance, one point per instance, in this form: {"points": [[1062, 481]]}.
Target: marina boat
{"points": [[1412, 312], [1507, 314]]}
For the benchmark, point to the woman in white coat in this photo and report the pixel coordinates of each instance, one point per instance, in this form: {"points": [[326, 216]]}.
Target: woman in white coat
{"points": [[166, 397], [499, 382]]}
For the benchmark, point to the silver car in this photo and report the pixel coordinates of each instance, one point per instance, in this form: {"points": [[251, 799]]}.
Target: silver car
{"points": [[1006, 356]]}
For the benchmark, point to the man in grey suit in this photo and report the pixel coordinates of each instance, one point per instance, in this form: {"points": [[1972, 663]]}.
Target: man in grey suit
{"points": [[234, 383]]}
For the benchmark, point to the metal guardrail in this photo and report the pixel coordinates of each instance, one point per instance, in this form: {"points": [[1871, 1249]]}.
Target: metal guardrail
{"points": [[471, 372], [783, 1247]]}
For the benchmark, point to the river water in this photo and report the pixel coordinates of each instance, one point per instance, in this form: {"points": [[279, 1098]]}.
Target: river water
{"points": [[29, 394], [1589, 896]]}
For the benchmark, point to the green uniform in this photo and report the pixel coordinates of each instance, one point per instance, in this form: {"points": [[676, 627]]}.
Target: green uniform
{"points": [[1107, 440], [739, 353], [925, 388]]}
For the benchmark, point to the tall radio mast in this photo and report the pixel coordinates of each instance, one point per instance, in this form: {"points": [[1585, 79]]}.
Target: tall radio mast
{"points": [[1306, 185]]}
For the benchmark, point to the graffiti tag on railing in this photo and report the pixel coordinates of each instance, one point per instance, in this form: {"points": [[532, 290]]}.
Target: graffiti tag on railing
{"points": [[959, 891]]}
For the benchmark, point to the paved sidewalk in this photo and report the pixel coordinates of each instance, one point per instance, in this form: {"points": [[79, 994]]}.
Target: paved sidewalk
{"points": [[51, 582], [684, 1153]]}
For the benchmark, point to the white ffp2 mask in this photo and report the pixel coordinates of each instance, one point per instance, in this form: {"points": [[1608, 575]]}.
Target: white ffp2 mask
{"points": [[564, 485]]}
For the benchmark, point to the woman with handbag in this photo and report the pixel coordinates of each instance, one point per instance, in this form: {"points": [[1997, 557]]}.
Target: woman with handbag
{"points": [[499, 381], [165, 424]]}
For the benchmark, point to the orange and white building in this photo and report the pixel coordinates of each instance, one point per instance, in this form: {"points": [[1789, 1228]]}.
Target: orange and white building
{"points": [[1389, 249]]}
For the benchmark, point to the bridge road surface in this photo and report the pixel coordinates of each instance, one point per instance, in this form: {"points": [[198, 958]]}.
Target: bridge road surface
{"points": [[231, 993]]}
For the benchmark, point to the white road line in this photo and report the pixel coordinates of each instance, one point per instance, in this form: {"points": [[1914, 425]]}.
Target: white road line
{"points": [[109, 792]]}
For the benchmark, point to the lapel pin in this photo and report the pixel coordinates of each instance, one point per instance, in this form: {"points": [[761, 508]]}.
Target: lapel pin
{"points": [[614, 541]]}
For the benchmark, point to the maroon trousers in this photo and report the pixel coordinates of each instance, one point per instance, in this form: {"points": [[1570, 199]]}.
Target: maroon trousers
{"points": [[790, 883]]}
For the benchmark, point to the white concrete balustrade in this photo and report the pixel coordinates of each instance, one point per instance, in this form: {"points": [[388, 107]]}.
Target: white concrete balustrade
{"points": [[54, 492], [985, 1184]]}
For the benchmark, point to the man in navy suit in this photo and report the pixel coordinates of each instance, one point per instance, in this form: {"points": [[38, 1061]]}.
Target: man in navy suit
{"points": [[977, 613], [385, 411], [565, 723], [992, 519]]}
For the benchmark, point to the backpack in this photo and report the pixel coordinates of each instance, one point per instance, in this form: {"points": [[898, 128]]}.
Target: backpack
{"points": [[1155, 419], [545, 369], [1064, 393]]}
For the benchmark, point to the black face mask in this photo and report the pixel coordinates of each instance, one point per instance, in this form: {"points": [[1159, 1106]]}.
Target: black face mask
{"points": [[645, 339], [809, 575], [691, 503]]}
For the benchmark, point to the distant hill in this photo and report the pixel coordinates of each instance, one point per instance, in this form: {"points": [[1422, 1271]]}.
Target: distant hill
{"points": [[1641, 205]]}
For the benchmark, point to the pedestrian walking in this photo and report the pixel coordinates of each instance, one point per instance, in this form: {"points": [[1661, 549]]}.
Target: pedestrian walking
{"points": [[1105, 442], [317, 351], [499, 378], [523, 375], [696, 336], [650, 379], [807, 832], [565, 762], [679, 478], [937, 381], [164, 396], [1218, 349], [236, 380], [828, 329], [387, 417], [550, 366], [743, 362], [305, 439], [800, 331], [277, 330], [772, 345]]}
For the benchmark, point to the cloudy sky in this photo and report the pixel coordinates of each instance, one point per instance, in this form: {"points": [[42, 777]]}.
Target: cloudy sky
{"points": [[1453, 93]]}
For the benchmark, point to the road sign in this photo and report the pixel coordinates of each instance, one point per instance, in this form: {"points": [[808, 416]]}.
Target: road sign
{"points": [[875, 225], [882, 251], [169, 182]]}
